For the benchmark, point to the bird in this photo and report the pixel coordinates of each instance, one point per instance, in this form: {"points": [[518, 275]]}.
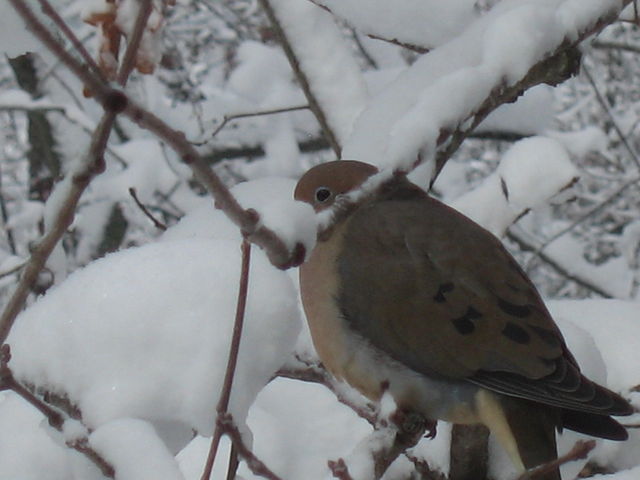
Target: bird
{"points": [[406, 295]]}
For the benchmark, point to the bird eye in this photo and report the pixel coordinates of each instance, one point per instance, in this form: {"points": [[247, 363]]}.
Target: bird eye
{"points": [[322, 194]]}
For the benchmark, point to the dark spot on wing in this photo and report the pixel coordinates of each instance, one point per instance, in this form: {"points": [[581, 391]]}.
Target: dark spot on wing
{"points": [[520, 311], [516, 333], [464, 324], [546, 335], [442, 289]]}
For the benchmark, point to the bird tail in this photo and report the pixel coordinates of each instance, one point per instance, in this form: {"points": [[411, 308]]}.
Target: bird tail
{"points": [[534, 430]]}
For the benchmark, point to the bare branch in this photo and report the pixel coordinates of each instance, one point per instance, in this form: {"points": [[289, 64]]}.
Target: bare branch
{"points": [[236, 116], [78, 181], [246, 220], [234, 348], [157, 223], [55, 419], [307, 371], [314, 105], [409, 46], [13, 270], [129, 59], [555, 68], [602, 44], [51, 12], [230, 152], [607, 109], [339, 469], [226, 425], [4, 214], [118, 102], [590, 214], [397, 434], [559, 268]]}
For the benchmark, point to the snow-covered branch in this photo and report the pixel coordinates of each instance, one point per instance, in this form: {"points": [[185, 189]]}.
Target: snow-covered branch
{"points": [[429, 110]]}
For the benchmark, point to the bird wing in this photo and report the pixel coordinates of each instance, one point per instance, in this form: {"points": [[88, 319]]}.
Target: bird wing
{"points": [[440, 294]]}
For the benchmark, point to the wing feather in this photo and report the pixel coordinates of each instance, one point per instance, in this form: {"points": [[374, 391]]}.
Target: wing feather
{"points": [[453, 303]]}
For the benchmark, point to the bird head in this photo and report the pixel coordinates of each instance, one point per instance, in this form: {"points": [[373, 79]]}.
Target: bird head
{"points": [[322, 184]]}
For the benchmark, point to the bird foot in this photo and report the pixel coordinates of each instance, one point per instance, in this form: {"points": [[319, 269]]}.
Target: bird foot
{"points": [[411, 423]]}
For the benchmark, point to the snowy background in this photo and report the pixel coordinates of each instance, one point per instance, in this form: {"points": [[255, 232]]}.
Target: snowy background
{"points": [[127, 327]]}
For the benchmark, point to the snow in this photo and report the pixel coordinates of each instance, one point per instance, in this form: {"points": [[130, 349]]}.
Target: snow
{"points": [[424, 23], [25, 449], [256, 60], [531, 172], [133, 448], [583, 142], [161, 350], [612, 277], [611, 324], [332, 72], [15, 39], [531, 114], [271, 197], [444, 88]]}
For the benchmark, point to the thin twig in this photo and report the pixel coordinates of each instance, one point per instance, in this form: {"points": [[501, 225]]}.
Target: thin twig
{"points": [[117, 101], [607, 109], [314, 104], [51, 12], [227, 426], [579, 451], [402, 432], [602, 44], [4, 212], [228, 152], [93, 81], [13, 270], [79, 179], [232, 360], [590, 214], [559, 268], [247, 220], [394, 41], [157, 223], [55, 419], [8, 382], [24, 108], [133, 43], [235, 116], [307, 371], [233, 464], [409, 46], [339, 469]]}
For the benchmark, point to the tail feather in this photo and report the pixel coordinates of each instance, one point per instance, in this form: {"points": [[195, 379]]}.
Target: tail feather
{"points": [[534, 430], [601, 426]]}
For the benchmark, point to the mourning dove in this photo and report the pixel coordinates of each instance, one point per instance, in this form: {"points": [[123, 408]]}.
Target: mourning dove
{"points": [[409, 296]]}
